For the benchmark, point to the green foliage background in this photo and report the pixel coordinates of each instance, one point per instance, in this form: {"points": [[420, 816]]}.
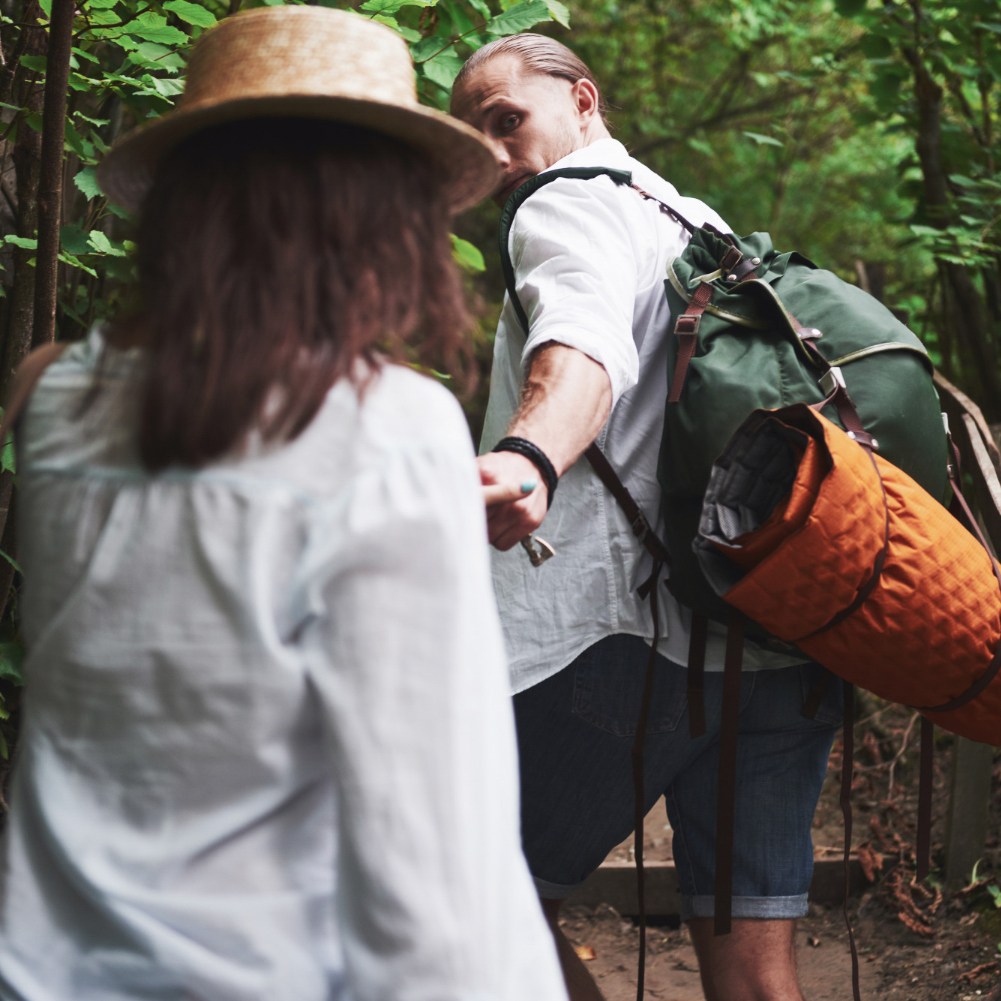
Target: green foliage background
{"points": [[863, 133]]}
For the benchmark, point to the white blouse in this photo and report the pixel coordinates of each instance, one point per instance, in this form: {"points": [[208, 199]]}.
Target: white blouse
{"points": [[267, 750]]}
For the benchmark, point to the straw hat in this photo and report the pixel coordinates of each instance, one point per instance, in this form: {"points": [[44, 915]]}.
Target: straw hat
{"points": [[309, 62]]}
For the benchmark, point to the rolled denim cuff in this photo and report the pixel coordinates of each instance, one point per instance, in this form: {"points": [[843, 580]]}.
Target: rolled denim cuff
{"points": [[762, 908]]}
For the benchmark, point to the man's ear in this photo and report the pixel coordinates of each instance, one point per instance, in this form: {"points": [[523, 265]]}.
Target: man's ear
{"points": [[585, 97]]}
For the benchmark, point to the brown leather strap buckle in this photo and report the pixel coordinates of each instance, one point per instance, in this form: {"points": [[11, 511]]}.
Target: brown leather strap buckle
{"points": [[640, 526], [691, 324], [831, 380]]}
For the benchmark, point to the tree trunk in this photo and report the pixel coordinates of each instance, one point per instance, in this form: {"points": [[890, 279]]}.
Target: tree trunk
{"points": [[972, 328], [17, 343], [50, 186]]}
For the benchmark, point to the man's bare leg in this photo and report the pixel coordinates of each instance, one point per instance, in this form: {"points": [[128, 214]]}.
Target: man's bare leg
{"points": [[580, 983], [755, 962]]}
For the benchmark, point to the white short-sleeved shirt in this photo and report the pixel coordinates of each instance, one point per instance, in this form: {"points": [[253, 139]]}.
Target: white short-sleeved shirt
{"points": [[267, 749], [590, 259]]}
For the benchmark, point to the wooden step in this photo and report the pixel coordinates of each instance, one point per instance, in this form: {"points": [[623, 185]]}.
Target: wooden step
{"points": [[614, 883]]}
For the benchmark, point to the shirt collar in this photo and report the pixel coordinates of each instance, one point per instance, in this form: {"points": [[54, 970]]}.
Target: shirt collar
{"points": [[601, 153]]}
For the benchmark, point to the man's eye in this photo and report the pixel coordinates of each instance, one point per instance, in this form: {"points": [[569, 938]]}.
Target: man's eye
{"points": [[509, 122]]}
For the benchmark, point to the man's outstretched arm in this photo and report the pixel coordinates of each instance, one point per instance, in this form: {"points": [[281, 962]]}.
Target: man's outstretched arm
{"points": [[565, 403]]}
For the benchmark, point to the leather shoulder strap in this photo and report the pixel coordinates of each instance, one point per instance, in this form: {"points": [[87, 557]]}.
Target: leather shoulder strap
{"points": [[25, 379], [515, 202], [637, 520]]}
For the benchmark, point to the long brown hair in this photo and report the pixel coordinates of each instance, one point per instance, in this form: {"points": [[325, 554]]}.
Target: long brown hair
{"points": [[275, 255]]}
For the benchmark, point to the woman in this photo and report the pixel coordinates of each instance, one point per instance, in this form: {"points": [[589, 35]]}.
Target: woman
{"points": [[266, 749]]}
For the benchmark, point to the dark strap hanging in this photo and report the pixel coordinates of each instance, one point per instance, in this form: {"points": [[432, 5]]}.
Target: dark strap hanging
{"points": [[726, 792], [697, 676], [649, 589], [924, 797], [847, 774]]}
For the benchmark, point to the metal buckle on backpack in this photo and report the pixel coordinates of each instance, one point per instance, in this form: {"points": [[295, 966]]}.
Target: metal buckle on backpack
{"points": [[641, 527], [691, 324], [831, 380]]}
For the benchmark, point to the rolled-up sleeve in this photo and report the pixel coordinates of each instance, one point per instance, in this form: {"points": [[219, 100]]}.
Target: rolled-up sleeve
{"points": [[436, 902], [576, 274]]}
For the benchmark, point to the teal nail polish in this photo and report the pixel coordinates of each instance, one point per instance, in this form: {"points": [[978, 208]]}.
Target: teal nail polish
{"points": [[528, 486]]}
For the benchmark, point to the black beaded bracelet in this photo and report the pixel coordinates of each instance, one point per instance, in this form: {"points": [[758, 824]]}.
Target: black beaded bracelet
{"points": [[535, 455]]}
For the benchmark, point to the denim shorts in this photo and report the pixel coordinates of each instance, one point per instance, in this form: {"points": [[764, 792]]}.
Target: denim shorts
{"points": [[575, 733]]}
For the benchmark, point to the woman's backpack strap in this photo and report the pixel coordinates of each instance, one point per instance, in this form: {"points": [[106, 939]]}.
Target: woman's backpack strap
{"points": [[25, 379]]}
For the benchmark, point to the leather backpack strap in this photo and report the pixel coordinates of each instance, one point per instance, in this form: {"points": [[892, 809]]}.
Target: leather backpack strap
{"points": [[25, 379], [637, 519], [517, 199]]}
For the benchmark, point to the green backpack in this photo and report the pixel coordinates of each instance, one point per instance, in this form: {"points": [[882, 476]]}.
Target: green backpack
{"points": [[754, 328]]}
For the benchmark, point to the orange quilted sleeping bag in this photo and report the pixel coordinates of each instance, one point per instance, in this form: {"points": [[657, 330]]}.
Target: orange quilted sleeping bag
{"points": [[862, 570]]}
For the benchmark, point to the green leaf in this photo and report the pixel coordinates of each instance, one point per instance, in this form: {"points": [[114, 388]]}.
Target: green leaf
{"points": [[24, 242], [11, 651], [75, 262], [190, 12], [73, 239], [34, 63], [520, 17], [876, 46], [10, 559], [426, 48], [480, 7], [762, 140], [443, 69], [701, 146], [86, 181], [150, 27], [77, 143], [8, 456], [392, 6], [46, 6], [99, 242], [407, 34], [995, 895], [467, 255], [849, 8], [559, 12]]}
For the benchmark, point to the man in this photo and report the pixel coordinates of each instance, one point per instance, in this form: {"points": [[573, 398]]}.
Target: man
{"points": [[589, 259]]}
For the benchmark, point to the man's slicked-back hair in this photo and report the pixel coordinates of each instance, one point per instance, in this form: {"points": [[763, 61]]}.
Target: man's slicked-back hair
{"points": [[538, 54]]}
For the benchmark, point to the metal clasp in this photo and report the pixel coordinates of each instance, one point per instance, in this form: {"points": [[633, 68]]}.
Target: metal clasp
{"points": [[691, 326], [832, 380], [540, 555]]}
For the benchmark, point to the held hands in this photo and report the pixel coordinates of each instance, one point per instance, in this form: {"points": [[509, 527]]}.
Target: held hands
{"points": [[512, 512]]}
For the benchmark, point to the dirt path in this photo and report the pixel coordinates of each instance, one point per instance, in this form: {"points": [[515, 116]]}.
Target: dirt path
{"points": [[917, 942], [896, 965], [672, 972]]}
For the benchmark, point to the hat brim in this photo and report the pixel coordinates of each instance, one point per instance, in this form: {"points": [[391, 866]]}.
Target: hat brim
{"points": [[466, 160]]}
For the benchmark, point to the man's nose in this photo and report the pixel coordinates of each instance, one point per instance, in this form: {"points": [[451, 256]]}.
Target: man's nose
{"points": [[500, 151]]}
